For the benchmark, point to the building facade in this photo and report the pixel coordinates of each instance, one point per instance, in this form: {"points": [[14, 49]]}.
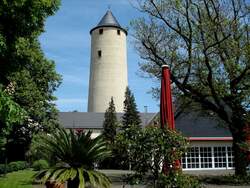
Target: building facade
{"points": [[210, 144]]}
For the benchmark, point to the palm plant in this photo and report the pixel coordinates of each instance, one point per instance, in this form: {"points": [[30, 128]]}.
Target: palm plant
{"points": [[75, 154]]}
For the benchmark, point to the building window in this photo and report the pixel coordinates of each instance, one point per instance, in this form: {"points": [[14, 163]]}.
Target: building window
{"points": [[100, 31], [99, 53], [193, 158], [220, 160], [118, 32], [230, 157], [208, 157]]}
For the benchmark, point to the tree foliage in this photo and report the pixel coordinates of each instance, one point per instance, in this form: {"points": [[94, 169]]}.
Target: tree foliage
{"points": [[149, 147], [10, 111], [110, 123], [23, 65], [131, 115], [207, 47]]}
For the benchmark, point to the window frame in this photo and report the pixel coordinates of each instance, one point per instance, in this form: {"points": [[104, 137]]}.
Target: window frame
{"points": [[205, 157]]}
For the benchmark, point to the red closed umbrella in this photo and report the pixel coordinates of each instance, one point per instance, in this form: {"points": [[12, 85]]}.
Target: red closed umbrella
{"points": [[166, 109], [166, 106]]}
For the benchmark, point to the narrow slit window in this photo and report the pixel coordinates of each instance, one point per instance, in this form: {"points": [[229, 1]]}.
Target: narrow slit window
{"points": [[118, 32], [100, 31], [99, 53]]}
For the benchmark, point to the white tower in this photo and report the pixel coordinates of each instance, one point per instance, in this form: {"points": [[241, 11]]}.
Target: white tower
{"points": [[108, 69]]}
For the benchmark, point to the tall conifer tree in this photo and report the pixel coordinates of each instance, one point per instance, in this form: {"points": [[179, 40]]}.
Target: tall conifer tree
{"points": [[131, 115], [110, 122]]}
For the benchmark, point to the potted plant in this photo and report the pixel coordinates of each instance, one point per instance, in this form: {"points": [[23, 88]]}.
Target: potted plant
{"points": [[74, 154], [53, 184]]}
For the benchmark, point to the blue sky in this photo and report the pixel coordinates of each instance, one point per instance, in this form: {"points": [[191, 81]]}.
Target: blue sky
{"points": [[67, 42]]}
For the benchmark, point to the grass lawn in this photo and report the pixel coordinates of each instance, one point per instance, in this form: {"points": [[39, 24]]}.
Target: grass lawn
{"points": [[19, 179]]}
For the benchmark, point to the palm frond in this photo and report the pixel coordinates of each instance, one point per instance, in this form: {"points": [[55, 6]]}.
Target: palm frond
{"points": [[81, 178], [91, 178], [76, 153]]}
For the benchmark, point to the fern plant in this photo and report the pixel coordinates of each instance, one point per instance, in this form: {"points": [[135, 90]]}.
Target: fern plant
{"points": [[75, 154]]}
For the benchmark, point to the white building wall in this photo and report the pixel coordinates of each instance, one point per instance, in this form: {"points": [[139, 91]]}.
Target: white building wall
{"points": [[108, 73]]}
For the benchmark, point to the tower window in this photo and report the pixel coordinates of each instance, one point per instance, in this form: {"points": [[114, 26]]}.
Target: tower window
{"points": [[99, 53], [100, 31], [118, 32]]}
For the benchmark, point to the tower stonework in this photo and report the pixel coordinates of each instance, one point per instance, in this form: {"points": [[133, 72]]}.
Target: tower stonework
{"points": [[108, 68]]}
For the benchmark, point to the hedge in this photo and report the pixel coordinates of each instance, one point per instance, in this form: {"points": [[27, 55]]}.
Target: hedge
{"points": [[13, 166]]}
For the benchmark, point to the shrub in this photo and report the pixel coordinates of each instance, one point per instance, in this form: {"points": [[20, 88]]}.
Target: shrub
{"points": [[178, 180], [21, 165], [40, 165], [150, 147], [17, 165], [13, 166], [133, 179], [2, 168]]}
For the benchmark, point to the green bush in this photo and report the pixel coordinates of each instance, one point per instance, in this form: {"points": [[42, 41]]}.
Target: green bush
{"points": [[13, 166], [133, 179], [178, 180], [2, 168], [40, 164], [21, 165], [17, 165]]}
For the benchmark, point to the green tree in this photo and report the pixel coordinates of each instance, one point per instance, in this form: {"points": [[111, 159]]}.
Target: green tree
{"points": [[10, 113], [74, 154], [151, 146], [131, 115], [24, 66], [123, 141], [207, 47], [110, 123]]}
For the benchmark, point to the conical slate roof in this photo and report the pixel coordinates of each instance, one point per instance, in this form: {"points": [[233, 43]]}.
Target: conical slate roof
{"points": [[108, 20]]}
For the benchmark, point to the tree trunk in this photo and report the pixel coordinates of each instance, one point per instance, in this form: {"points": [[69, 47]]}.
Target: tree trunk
{"points": [[240, 153], [240, 160]]}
